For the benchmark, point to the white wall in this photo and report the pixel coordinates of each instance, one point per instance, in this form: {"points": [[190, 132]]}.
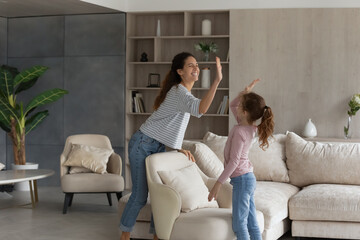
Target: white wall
{"points": [[173, 5]]}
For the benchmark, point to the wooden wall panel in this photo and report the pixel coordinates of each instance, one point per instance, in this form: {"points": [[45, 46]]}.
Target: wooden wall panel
{"points": [[308, 60]]}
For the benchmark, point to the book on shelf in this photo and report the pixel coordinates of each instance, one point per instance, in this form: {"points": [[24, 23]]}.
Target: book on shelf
{"points": [[137, 102], [133, 103], [224, 106]]}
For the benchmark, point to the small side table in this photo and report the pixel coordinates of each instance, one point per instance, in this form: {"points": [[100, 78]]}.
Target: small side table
{"points": [[31, 175]]}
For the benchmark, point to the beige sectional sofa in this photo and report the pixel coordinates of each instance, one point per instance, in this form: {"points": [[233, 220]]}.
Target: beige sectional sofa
{"points": [[311, 187]]}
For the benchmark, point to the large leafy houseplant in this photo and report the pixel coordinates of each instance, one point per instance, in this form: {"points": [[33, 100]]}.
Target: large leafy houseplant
{"points": [[16, 118]]}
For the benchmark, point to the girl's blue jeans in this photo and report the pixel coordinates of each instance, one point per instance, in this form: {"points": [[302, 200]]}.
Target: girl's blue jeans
{"points": [[140, 146], [244, 222]]}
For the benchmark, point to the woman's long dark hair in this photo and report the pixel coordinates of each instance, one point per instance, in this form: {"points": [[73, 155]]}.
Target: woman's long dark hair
{"points": [[255, 105], [172, 78]]}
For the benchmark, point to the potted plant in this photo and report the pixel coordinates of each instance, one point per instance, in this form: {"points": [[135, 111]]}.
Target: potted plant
{"points": [[18, 118], [206, 48]]}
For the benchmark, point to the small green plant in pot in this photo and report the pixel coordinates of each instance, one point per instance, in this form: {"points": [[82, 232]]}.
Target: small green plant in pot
{"points": [[18, 118], [206, 48]]}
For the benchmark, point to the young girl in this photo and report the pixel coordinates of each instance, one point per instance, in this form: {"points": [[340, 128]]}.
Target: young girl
{"points": [[165, 127], [247, 108]]}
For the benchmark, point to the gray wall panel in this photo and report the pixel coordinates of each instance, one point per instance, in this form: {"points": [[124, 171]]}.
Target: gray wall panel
{"points": [[50, 131], [3, 60], [36, 37], [3, 40], [95, 104], [3, 153], [93, 72], [89, 35]]}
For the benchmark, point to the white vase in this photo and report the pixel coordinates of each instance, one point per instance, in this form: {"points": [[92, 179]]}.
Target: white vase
{"points": [[205, 78], [206, 27], [23, 186], [309, 130]]}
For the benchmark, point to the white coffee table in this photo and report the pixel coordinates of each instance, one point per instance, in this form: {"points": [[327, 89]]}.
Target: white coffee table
{"points": [[31, 175]]}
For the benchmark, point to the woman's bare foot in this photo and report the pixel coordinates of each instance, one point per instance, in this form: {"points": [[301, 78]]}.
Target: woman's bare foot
{"points": [[125, 236], [155, 237]]}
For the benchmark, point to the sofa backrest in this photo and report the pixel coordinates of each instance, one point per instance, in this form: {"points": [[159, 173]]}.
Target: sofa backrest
{"points": [[315, 162], [269, 165]]}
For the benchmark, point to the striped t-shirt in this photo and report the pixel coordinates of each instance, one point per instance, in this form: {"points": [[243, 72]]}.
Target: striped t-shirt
{"points": [[168, 123]]}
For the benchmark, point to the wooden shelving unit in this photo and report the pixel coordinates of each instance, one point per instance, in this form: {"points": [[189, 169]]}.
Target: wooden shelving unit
{"points": [[179, 32]]}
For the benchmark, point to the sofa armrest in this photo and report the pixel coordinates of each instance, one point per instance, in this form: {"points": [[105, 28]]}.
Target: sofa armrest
{"points": [[224, 197], [114, 164], [166, 207], [63, 169]]}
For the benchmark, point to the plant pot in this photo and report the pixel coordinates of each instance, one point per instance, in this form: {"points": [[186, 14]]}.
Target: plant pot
{"points": [[23, 186]]}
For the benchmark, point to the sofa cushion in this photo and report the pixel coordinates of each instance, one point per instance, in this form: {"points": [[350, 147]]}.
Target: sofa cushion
{"points": [[271, 198], [205, 158], [326, 202], [216, 143], [315, 162], [90, 157], [74, 170], [209, 224], [190, 186], [92, 182], [269, 165]]}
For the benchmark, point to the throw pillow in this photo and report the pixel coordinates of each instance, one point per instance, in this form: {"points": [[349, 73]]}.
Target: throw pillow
{"points": [[90, 157], [269, 165], [74, 170], [216, 143], [316, 163], [207, 160], [190, 186]]}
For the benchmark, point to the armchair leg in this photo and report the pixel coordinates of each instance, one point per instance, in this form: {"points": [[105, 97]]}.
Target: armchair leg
{"points": [[118, 195], [67, 201], [71, 199], [109, 198]]}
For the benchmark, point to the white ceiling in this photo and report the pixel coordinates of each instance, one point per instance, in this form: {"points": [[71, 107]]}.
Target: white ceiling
{"points": [[27, 8]]}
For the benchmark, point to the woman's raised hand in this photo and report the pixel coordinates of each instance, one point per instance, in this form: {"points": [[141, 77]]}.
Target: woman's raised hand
{"points": [[219, 74]]}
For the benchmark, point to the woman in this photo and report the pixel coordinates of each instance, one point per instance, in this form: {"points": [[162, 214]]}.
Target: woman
{"points": [[165, 127]]}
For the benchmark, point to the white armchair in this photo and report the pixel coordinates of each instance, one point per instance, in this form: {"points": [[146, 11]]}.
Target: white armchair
{"points": [[170, 222], [111, 182]]}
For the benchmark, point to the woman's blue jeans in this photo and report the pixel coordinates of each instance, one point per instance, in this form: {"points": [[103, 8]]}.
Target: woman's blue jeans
{"points": [[140, 146], [244, 222]]}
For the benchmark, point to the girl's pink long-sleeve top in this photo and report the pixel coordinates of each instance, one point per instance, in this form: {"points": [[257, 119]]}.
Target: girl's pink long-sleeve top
{"points": [[237, 147]]}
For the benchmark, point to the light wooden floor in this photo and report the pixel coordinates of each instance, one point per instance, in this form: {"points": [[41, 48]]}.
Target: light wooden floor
{"points": [[89, 218]]}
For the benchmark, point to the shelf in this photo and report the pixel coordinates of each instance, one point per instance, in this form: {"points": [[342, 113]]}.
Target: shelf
{"points": [[178, 37], [154, 63], [180, 31], [205, 115], [157, 88]]}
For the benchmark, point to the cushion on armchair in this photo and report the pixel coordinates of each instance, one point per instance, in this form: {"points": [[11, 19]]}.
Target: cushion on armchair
{"points": [[90, 157], [190, 186]]}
